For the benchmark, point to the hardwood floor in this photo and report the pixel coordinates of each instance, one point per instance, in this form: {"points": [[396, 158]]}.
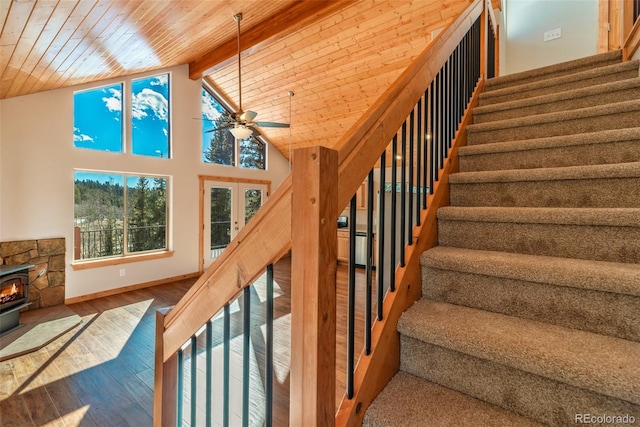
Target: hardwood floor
{"points": [[101, 372]]}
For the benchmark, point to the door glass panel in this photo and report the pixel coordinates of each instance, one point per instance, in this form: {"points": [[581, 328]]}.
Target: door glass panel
{"points": [[252, 202], [220, 220]]}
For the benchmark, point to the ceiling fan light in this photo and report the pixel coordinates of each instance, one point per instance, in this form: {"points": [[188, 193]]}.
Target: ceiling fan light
{"points": [[241, 132]]}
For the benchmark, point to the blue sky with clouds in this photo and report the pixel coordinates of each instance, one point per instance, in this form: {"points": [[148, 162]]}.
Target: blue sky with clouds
{"points": [[98, 117]]}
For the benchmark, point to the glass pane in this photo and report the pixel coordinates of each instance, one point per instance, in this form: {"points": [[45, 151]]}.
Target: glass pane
{"points": [[220, 218], [252, 154], [98, 215], [150, 116], [218, 145], [252, 202], [146, 213], [97, 118]]}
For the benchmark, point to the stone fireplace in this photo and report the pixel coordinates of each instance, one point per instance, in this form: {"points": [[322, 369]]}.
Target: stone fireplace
{"points": [[47, 277]]}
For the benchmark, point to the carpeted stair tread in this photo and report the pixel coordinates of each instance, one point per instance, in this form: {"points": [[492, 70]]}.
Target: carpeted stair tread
{"points": [[622, 278], [624, 114], [562, 354], [591, 186], [615, 170], [607, 74], [616, 217], [607, 93], [434, 406], [603, 234], [608, 146], [543, 73]]}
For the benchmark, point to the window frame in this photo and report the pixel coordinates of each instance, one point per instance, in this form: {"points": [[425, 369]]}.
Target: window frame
{"points": [[127, 256], [126, 118], [123, 117], [228, 107]]}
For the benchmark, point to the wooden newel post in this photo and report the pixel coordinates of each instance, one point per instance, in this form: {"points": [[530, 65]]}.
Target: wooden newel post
{"points": [[484, 42], [313, 286], [165, 379]]}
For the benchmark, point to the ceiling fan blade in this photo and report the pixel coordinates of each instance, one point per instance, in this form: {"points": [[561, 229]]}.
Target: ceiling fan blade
{"points": [[272, 124], [248, 116], [216, 129]]}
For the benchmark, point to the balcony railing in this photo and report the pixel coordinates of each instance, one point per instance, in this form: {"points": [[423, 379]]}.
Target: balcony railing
{"points": [[110, 241]]}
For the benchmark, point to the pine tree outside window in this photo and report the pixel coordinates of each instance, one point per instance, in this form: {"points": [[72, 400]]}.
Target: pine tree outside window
{"points": [[119, 214], [219, 146]]}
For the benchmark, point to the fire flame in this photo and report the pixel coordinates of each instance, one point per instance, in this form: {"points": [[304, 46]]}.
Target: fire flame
{"points": [[6, 296]]}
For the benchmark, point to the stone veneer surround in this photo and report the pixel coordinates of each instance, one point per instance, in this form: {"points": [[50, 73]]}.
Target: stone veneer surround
{"points": [[47, 255]]}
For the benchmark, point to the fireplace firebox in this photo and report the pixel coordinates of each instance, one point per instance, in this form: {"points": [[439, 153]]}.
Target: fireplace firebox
{"points": [[14, 294]]}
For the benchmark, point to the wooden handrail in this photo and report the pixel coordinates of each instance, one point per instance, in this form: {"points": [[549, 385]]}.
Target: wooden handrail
{"points": [[264, 240], [362, 145], [267, 237], [492, 18], [632, 43]]}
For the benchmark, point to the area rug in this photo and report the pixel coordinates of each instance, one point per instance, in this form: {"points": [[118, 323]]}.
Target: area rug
{"points": [[37, 328]]}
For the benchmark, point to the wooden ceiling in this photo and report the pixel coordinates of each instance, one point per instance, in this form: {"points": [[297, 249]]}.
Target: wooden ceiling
{"points": [[337, 56]]}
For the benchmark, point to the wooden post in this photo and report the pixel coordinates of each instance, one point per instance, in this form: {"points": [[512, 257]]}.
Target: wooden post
{"points": [[314, 213], [77, 243], [484, 39], [165, 382]]}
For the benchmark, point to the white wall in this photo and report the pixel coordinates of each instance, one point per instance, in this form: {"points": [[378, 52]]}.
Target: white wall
{"points": [[527, 20], [37, 165]]}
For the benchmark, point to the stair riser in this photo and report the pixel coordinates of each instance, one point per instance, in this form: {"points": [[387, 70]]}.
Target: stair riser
{"points": [[570, 126], [575, 193], [491, 98], [573, 155], [592, 311], [564, 105], [604, 243], [501, 83], [542, 399]]}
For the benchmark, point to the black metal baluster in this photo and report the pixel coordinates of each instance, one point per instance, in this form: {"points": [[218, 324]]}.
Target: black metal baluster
{"points": [[381, 235], [433, 170], [427, 143], [194, 376], [246, 326], [269, 349], [394, 183], [369, 266], [180, 403], [403, 193], [226, 350], [208, 369], [419, 142], [351, 297], [410, 178], [446, 112]]}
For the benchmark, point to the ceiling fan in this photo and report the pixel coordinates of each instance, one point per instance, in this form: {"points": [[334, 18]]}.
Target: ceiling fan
{"points": [[241, 123]]}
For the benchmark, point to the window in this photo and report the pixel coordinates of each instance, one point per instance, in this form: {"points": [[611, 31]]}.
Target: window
{"points": [[119, 214], [219, 146], [97, 118], [98, 121], [150, 116]]}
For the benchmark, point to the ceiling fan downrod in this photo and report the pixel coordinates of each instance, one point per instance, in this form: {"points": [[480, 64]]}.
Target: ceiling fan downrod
{"points": [[238, 18]]}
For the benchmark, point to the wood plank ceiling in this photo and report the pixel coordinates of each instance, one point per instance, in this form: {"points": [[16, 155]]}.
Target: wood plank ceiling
{"points": [[337, 56]]}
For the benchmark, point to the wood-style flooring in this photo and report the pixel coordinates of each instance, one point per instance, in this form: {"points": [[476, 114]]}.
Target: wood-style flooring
{"points": [[101, 372]]}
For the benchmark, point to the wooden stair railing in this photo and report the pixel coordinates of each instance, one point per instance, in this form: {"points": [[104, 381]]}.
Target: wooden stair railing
{"points": [[268, 236]]}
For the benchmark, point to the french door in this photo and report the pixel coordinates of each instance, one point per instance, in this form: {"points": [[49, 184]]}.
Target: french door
{"points": [[228, 206]]}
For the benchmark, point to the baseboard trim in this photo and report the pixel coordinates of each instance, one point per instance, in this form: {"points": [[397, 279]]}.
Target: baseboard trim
{"points": [[123, 289]]}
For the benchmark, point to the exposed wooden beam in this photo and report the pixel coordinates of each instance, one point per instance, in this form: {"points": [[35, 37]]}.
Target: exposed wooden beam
{"points": [[282, 23]]}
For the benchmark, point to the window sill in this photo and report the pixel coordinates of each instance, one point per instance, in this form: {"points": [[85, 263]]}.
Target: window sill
{"points": [[84, 265]]}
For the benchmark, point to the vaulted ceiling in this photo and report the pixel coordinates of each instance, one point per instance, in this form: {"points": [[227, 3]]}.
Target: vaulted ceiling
{"points": [[337, 56]]}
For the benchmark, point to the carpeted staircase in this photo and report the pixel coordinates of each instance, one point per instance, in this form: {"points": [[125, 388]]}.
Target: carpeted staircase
{"points": [[531, 302]]}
